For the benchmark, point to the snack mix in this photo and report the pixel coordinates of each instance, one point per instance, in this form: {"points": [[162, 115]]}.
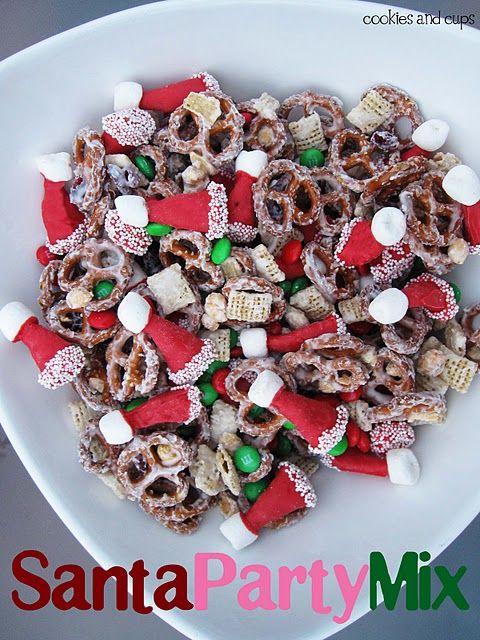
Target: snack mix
{"points": [[242, 293]]}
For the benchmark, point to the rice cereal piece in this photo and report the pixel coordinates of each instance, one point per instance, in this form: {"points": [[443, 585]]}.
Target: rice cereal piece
{"points": [[221, 340], [431, 362], [249, 307], [216, 307], [227, 470], [308, 464], [455, 338], [353, 310], [275, 244], [430, 383], [312, 303], [371, 112], [443, 162], [227, 504], [458, 371], [415, 408], [223, 420], [265, 264], [81, 415], [295, 318], [205, 473], [308, 133], [358, 411], [458, 251], [171, 289], [206, 106], [112, 483], [230, 441]]}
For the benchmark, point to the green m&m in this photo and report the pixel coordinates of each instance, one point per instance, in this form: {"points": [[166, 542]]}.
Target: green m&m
{"points": [[456, 292], [136, 402], [298, 284], [286, 287], [186, 430], [146, 166], [215, 366], [233, 338], [253, 489], [221, 250], [312, 158], [157, 229], [284, 446], [209, 395], [255, 412], [289, 425], [339, 448], [247, 458], [103, 289]]}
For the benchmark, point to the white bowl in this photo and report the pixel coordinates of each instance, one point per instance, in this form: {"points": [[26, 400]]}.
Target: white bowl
{"points": [[66, 82]]}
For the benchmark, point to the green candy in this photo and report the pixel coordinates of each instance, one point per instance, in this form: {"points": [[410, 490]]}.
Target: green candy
{"points": [[284, 446], [133, 404], [215, 366], [209, 395], [339, 448], [312, 158], [252, 490], [298, 284], [286, 286], [146, 166], [247, 459], [186, 430], [233, 338], [221, 250], [255, 412], [103, 289], [456, 292], [289, 425], [157, 229], [205, 377]]}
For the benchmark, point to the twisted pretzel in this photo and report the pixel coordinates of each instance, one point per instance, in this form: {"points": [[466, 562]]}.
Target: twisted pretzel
{"points": [[332, 280], [355, 160], [237, 384], [92, 384], [162, 184], [394, 372], [72, 324], [92, 262], [95, 453], [89, 158], [329, 108], [191, 250], [50, 292], [268, 134], [184, 517], [150, 468], [384, 188], [133, 365], [470, 323], [335, 203], [217, 143], [260, 285], [96, 219], [285, 194], [239, 263], [407, 335], [432, 216], [403, 107], [414, 408]]}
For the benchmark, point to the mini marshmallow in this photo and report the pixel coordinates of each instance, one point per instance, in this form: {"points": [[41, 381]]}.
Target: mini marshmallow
{"points": [[431, 135], [403, 467], [254, 343], [462, 184], [265, 388], [236, 532], [252, 162], [12, 318], [389, 225], [389, 306], [56, 167], [127, 95], [132, 210], [115, 429], [134, 312]]}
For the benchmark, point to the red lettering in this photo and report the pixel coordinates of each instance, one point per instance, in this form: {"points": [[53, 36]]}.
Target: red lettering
{"points": [[179, 583], [78, 599], [138, 574], [30, 579], [99, 579]]}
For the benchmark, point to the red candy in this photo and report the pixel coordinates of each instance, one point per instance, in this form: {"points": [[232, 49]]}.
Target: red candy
{"points": [[363, 442], [291, 271], [236, 352], [248, 117], [351, 396], [44, 256], [102, 319], [291, 252], [218, 381], [274, 329], [353, 433], [414, 151], [471, 221]]}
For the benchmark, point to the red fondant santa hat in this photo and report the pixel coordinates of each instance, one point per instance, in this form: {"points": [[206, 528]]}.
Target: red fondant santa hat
{"points": [[124, 130], [395, 262], [363, 241], [463, 185], [400, 465], [289, 491], [435, 296], [177, 405], [428, 137], [64, 223], [59, 361], [204, 211], [256, 342], [320, 421], [166, 98], [187, 356], [242, 221]]}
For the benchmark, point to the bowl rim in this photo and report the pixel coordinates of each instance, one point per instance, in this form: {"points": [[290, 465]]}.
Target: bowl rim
{"points": [[464, 515]]}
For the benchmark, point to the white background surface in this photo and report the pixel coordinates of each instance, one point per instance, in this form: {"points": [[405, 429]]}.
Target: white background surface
{"points": [[27, 521]]}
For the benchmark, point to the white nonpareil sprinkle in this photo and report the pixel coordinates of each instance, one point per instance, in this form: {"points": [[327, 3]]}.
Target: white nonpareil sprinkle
{"points": [[193, 369], [64, 367], [211, 84], [132, 239], [60, 247], [331, 437], [242, 233], [130, 127], [302, 483], [194, 396], [217, 211]]}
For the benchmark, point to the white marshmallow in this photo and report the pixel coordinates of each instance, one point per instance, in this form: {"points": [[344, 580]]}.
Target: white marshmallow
{"points": [[389, 225], [132, 210], [236, 532], [134, 312], [265, 388], [127, 95], [431, 134], [56, 167], [462, 184], [403, 467], [254, 343], [389, 306], [115, 429], [12, 318], [252, 162], [120, 160]]}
